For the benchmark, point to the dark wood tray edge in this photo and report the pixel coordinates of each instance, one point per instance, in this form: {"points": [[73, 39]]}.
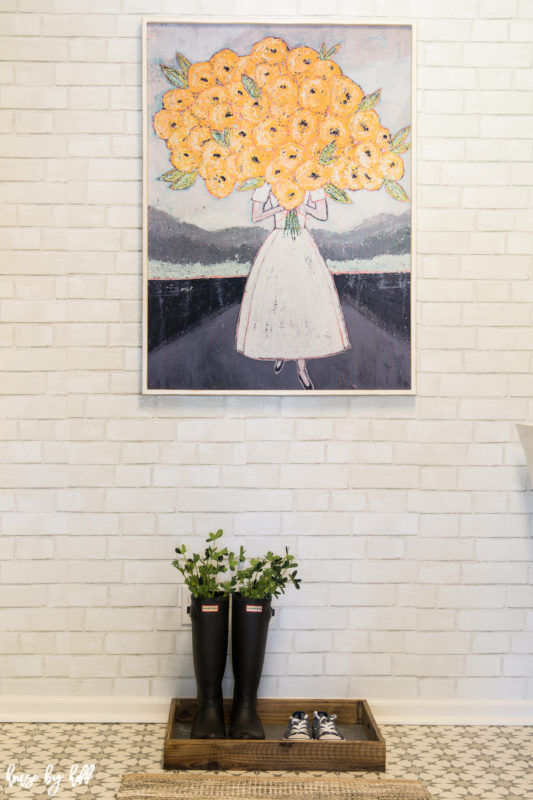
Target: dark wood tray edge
{"points": [[366, 755]]}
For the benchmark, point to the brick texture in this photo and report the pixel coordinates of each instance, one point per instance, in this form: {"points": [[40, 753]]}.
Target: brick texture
{"points": [[411, 517]]}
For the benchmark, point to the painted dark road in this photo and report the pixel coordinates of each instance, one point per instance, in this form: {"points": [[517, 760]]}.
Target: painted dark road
{"points": [[205, 358]]}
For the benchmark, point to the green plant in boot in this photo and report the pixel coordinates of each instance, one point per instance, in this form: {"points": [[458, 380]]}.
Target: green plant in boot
{"points": [[267, 576], [202, 573]]}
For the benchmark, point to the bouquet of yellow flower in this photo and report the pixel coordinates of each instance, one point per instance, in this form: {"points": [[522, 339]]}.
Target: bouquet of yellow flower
{"points": [[286, 116]]}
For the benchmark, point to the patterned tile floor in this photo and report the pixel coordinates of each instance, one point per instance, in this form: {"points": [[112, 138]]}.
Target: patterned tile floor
{"points": [[456, 763]]}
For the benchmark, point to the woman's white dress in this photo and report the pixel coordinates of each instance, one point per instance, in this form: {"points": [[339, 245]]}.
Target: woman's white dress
{"points": [[290, 308]]}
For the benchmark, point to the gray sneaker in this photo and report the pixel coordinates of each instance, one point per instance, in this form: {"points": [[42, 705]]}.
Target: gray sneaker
{"points": [[324, 728], [298, 728]]}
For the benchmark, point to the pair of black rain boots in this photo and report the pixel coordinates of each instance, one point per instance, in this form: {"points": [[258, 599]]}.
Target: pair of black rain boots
{"points": [[250, 621]]}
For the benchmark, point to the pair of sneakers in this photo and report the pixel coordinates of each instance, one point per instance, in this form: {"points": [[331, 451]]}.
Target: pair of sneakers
{"points": [[323, 728]]}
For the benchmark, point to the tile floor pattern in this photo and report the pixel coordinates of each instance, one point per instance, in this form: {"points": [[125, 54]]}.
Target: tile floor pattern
{"points": [[455, 762]]}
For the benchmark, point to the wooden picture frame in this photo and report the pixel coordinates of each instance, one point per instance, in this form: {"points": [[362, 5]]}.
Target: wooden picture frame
{"points": [[278, 219]]}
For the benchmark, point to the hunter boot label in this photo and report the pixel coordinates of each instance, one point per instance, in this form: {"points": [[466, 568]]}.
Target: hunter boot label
{"points": [[254, 609], [209, 609]]}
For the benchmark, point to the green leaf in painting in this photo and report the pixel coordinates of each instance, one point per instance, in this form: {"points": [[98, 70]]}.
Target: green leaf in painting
{"points": [[327, 155], [171, 176], [369, 100], [402, 148], [332, 50], [400, 138], [174, 76], [183, 63], [187, 179], [396, 191], [322, 51], [251, 183], [251, 87], [221, 137], [336, 194]]}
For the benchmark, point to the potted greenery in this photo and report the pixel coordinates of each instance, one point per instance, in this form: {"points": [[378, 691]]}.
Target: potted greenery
{"points": [[211, 579], [202, 572], [267, 577]]}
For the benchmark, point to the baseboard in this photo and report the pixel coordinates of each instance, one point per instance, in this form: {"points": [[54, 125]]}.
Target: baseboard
{"points": [[36, 708], [452, 712]]}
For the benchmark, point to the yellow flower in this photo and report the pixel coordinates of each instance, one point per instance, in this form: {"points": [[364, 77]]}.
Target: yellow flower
{"points": [[370, 178], [265, 72], [207, 100], [213, 154], [224, 64], [347, 176], [221, 179], [288, 194], [252, 162], [282, 91], [314, 94], [333, 129], [236, 92], [270, 133], [345, 96], [303, 126], [200, 76], [166, 122], [271, 49], [382, 138], [391, 166], [290, 155], [241, 135], [325, 69], [363, 125], [177, 138], [221, 116], [275, 172], [246, 66], [198, 137], [254, 110], [300, 61], [177, 99], [312, 175], [367, 155], [184, 158]]}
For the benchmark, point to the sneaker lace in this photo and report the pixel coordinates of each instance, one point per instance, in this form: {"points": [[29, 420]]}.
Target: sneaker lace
{"points": [[298, 725], [328, 725]]}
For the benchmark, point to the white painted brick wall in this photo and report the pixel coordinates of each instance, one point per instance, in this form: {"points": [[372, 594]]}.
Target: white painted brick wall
{"points": [[411, 517]]}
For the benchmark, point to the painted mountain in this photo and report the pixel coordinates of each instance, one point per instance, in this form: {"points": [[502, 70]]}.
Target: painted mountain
{"points": [[174, 242]]}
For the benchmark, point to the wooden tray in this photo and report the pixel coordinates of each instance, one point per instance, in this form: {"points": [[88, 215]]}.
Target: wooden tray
{"points": [[363, 748]]}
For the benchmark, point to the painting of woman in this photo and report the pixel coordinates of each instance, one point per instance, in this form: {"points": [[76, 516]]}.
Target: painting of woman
{"points": [[277, 207], [290, 310]]}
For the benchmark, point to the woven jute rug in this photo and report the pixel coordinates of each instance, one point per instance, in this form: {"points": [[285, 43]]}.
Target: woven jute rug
{"points": [[217, 786]]}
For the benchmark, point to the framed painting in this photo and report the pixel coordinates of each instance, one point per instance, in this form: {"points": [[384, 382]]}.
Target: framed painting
{"points": [[278, 207]]}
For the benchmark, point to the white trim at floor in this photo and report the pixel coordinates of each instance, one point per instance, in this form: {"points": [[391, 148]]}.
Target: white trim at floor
{"points": [[35, 708]]}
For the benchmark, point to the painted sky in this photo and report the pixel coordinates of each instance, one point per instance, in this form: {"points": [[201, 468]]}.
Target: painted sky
{"points": [[374, 56]]}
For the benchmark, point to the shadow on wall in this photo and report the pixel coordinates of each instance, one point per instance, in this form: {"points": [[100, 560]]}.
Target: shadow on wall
{"points": [[525, 432]]}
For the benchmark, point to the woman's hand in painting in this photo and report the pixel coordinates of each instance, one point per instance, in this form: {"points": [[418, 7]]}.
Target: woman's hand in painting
{"points": [[316, 208], [262, 210]]}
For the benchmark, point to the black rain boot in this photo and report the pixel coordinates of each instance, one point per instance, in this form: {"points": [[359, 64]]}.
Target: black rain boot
{"points": [[209, 617], [250, 620]]}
